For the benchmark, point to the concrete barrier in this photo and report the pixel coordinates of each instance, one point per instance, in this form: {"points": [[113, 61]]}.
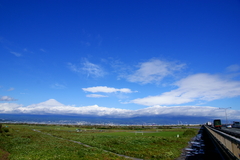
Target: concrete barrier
{"points": [[229, 143]]}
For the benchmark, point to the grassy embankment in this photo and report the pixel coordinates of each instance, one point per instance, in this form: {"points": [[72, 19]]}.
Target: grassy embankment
{"points": [[24, 143]]}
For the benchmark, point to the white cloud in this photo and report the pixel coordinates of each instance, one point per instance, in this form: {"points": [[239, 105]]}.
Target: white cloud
{"points": [[16, 54], [203, 87], [88, 68], [154, 71], [7, 98], [106, 89], [95, 95], [54, 107]]}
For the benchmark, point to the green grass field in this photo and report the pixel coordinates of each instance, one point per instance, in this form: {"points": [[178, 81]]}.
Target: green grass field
{"points": [[52, 142]]}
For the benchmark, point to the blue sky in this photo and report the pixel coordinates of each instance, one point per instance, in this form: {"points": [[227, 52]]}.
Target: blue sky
{"points": [[126, 55]]}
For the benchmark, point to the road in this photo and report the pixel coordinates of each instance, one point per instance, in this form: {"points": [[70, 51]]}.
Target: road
{"points": [[232, 131]]}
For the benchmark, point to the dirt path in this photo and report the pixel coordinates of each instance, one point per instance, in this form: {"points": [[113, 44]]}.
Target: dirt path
{"points": [[4, 155]]}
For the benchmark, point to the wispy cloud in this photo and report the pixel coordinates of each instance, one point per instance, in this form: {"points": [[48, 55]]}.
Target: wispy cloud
{"points": [[120, 68], [16, 54], [7, 98], [57, 86], [43, 50], [73, 67], [92, 69], [233, 68], [87, 44], [201, 87], [11, 89], [106, 89], [154, 70], [54, 107], [95, 95], [88, 68], [99, 40], [27, 50]]}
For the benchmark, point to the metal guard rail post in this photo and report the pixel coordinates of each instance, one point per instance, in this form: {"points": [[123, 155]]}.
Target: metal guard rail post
{"points": [[232, 144]]}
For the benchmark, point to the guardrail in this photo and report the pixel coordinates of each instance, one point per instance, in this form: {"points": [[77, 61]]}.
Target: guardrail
{"points": [[229, 143]]}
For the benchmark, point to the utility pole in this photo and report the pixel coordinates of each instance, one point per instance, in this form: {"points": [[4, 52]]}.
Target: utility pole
{"points": [[226, 113]]}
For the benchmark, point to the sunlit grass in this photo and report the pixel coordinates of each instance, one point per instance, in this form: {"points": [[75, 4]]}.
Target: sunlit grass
{"points": [[23, 143], [146, 144]]}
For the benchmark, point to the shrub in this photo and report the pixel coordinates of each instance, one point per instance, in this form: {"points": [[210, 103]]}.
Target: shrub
{"points": [[189, 132], [164, 127], [5, 129]]}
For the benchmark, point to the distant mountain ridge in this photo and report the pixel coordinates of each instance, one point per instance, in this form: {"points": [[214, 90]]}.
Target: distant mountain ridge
{"points": [[145, 120]]}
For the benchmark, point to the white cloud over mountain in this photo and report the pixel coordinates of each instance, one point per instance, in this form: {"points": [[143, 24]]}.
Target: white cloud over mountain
{"points": [[54, 107], [203, 87]]}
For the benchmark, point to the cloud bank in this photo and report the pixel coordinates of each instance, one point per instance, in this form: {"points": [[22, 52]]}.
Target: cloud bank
{"points": [[54, 107]]}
